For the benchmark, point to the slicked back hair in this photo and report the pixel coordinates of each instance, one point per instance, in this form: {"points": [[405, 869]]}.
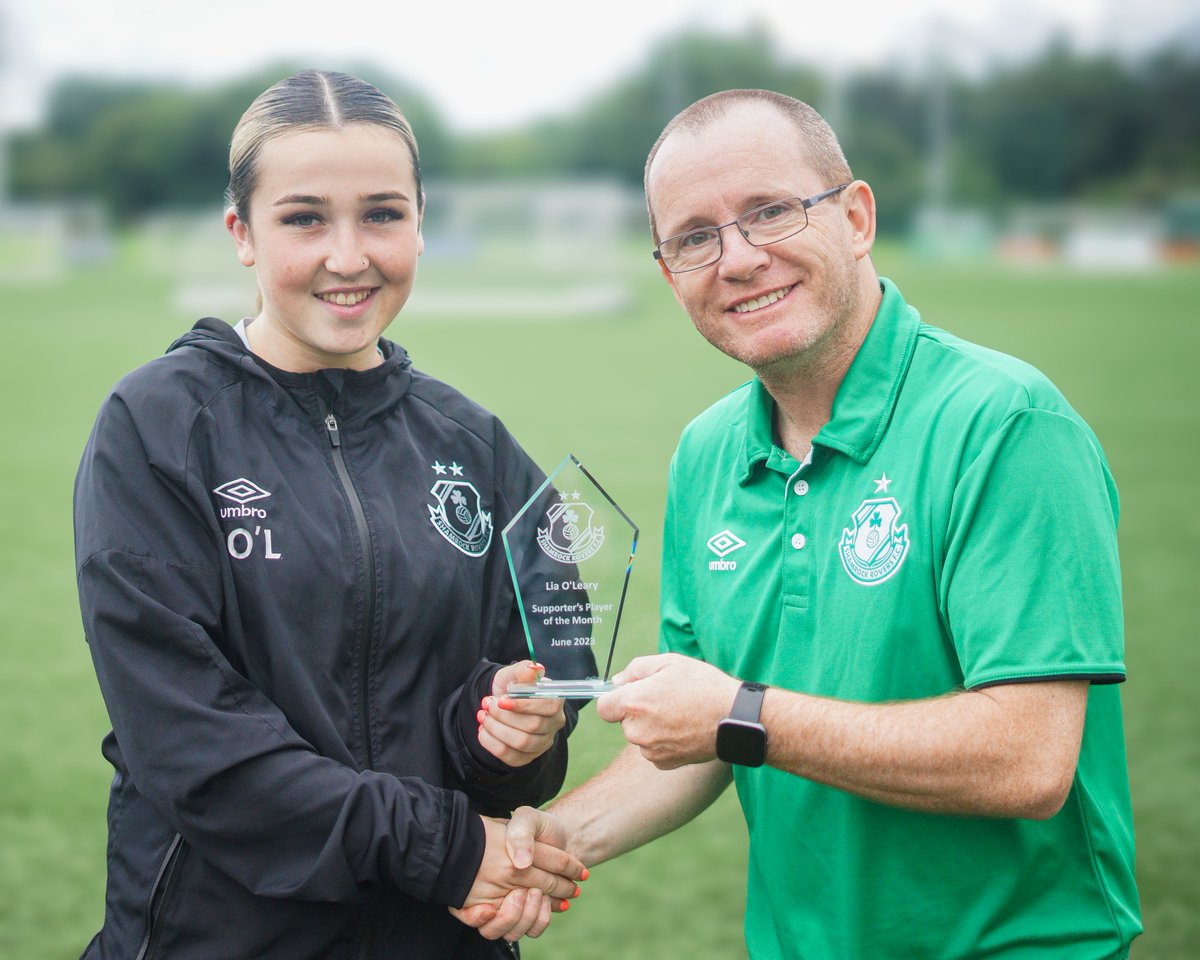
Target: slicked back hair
{"points": [[822, 152], [312, 100]]}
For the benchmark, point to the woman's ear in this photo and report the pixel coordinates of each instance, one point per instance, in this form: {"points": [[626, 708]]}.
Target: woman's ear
{"points": [[240, 230]]}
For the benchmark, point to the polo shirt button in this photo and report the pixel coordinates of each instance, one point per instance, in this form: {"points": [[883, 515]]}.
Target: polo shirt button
{"points": [[798, 541], [801, 487]]}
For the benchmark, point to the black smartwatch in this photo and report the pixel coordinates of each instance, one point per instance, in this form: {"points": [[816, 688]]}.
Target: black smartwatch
{"points": [[741, 738]]}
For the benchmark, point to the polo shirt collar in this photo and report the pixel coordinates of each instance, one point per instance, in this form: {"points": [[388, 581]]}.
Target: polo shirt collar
{"points": [[864, 402]]}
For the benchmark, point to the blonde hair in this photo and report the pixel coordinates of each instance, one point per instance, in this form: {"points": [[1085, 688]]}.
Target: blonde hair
{"points": [[822, 152], [312, 100]]}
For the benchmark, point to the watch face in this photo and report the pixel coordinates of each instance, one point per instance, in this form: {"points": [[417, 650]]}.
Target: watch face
{"points": [[741, 742]]}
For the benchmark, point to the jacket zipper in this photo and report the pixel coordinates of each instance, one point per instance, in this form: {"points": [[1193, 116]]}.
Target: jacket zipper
{"points": [[159, 894], [364, 538]]}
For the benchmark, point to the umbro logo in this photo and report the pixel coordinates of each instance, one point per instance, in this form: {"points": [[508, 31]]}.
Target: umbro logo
{"points": [[242, 542], [241, 491], [723, 544]]}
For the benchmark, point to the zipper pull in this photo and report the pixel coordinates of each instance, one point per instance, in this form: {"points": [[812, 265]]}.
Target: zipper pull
{"points": [[331, 425]]}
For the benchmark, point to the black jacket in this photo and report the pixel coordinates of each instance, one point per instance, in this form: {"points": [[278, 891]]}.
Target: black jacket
{"points": [[295, 596]]}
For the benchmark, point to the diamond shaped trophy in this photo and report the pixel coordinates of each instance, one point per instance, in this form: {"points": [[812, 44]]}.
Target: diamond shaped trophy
{"points": [[570, 550]]}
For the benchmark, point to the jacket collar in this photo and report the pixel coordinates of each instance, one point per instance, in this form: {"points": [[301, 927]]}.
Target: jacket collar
{"points": [[354, 395], [864, 402]]}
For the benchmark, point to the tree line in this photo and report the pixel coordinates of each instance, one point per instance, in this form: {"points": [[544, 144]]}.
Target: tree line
{"points": [[1058, 126]]}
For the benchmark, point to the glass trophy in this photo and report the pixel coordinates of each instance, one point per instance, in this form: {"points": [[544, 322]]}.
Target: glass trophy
{"points": [[570, 551]]}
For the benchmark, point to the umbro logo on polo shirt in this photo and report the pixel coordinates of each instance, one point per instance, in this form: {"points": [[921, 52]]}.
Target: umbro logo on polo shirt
{"points": [[723, 544]]}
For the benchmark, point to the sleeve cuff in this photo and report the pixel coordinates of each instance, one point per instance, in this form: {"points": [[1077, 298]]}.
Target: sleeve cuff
{"points": [[463, 857]]}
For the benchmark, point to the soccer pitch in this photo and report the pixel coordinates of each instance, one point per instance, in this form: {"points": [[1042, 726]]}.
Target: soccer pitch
{"points": [[614, 388]]}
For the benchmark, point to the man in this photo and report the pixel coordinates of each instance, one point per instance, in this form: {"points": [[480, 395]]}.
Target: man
{"points": [[910, 541]]}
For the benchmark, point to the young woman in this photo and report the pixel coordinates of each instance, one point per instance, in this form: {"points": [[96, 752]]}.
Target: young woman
{"points": [[293, 590]]}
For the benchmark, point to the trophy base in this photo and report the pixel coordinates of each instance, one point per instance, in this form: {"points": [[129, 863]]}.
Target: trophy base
{"points": [[561, 689]]}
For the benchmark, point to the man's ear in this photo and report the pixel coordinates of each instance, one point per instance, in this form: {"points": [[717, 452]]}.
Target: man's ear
{"points": [[240, 231], [859, 204]]}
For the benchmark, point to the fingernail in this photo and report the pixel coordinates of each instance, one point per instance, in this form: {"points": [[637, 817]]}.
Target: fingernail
{"points": [[576, 893], [564, 905], [484, 703], [585, 874], [505, 703], [480, 715]]}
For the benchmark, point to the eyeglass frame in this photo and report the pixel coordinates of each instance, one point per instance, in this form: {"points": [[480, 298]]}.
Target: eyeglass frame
{"points": [[805, 203]]}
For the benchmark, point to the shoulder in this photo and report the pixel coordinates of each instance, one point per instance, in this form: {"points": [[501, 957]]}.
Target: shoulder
{"points": [[717, 425], [453, 410], [184, 379], [959, 371]]}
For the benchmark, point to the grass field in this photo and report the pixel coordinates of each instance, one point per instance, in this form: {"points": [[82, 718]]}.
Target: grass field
{"points": [[1123, 348]]}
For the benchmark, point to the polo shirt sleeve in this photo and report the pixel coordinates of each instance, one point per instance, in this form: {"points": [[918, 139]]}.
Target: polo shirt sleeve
{"points": [[1031, 583], [675, 619]]}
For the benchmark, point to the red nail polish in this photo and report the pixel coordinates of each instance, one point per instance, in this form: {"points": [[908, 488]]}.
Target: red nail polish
{"points": [[564, 905], [576, 893], [585, 874], [506, 704]]}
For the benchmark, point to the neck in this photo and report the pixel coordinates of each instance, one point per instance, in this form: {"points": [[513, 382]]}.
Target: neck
{"points": [[804, 386]]}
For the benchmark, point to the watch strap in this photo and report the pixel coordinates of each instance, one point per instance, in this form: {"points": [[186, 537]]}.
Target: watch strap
{"points": [[747, 705]]}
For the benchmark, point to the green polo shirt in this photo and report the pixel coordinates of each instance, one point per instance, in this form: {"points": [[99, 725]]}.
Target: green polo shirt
{"points": [[955, 527]]}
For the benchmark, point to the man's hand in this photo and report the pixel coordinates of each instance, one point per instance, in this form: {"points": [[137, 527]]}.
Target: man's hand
{"points": [[525, 875], [669, 706], [518, 731]]}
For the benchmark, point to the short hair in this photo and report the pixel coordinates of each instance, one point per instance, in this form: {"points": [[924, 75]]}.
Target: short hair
{"points": [[821, 149], [311, 100]]}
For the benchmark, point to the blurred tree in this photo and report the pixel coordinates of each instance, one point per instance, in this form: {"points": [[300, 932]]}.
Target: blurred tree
{"points": [[611, 134], [1172, 151], [1051, 127], [1059, 126], [144, 146], [883, 140]]}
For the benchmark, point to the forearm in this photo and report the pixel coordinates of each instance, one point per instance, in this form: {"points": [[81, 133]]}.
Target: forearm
{"points": [[1005, 751], [633, 802]]}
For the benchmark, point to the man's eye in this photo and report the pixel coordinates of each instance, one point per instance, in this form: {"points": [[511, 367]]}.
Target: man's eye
{"points": [[772, 212], [697, 238]]}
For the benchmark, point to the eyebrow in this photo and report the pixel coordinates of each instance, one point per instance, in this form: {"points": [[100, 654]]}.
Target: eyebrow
{"points": [[753, 202], [315, 201]]}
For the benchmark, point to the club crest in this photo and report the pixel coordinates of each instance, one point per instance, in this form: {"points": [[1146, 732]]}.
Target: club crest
{"points": [[457, 515], [570, 536], [875, 547]]}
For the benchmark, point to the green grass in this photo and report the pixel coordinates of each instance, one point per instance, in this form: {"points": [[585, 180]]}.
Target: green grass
{"points": [[1123, 348]]}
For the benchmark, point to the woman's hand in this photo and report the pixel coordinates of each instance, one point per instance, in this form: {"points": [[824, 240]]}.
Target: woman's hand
{"points": [[510, 901], [518, 731]]}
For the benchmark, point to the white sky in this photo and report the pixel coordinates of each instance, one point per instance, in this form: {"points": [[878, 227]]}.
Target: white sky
{"points": [[490, 65]]}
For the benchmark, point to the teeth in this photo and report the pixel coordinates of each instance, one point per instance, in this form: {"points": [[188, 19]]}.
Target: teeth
{"points": [[345, 299], [763, 301]]}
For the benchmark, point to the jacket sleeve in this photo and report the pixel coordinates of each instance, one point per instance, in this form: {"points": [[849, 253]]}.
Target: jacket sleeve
{"points": [[204, 746], [494, 787]]}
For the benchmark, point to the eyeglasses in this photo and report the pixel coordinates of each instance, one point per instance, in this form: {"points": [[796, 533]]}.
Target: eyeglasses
{"points": [[769, 223]]}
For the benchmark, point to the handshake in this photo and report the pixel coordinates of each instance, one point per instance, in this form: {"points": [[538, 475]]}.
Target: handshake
{"points": [[668, 707], [526, 875]]}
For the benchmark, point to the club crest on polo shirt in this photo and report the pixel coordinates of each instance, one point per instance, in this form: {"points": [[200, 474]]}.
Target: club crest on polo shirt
{"points": [[875, 546], [457, 512]]}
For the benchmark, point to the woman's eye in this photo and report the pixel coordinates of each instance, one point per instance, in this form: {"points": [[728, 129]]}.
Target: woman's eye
{"points": [[384, 216], [302, 220]]}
